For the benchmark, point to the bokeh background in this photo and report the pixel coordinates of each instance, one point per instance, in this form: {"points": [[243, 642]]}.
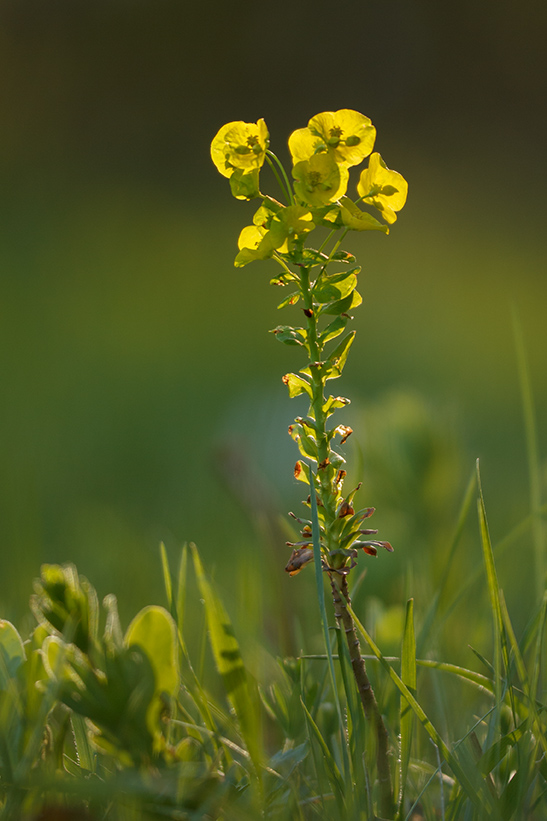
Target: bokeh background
{"points": [[141, 393]]}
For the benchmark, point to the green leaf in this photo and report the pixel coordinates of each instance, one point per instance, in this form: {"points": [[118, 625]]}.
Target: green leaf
{"points": [[12, 652], [229, 663], [154, 630], [333, 403], [343, 256], [297, 385], [302, 472], [337, 359], [292, 299], [68, 603], [290, 336], [336, 460], [333, 329], [329, 288], [342, 305], [309, 258], [306, 444]]}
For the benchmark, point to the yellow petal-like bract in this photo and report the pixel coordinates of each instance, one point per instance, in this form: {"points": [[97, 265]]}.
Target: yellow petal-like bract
{"points": [[319, 180], [346, 134], [386, 190], [240, 145]]}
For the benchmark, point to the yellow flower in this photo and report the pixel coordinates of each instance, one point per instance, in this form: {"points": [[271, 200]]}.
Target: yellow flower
{"points": [[319, 180], [240, 145], [346, 134], [386, 190]]}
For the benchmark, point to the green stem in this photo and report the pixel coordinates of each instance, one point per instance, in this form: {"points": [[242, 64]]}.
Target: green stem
{"points": [[315, 350], [271, 158], [339, 585], [337, 245]]}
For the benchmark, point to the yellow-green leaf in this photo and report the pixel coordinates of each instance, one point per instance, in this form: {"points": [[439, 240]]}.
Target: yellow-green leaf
{"points": [[153, 629]]}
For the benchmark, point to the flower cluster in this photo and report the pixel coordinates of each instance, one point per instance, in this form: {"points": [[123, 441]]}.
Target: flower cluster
{"points": [[322, 154]]}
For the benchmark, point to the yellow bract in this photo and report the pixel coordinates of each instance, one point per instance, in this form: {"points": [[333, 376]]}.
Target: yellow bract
{"points": [[240, 145], [386, 190], [352, 217], [319, 180], [303, 144], [346, 134], [272, 233]]}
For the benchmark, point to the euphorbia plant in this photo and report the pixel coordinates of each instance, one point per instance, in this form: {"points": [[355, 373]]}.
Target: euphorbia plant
{"points": [[323, 282]]}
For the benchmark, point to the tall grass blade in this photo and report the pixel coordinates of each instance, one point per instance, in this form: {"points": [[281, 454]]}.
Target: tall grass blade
{"points": [[229, 663], [181, 587], [167, 581], [501, 654], [532, 450], [514, 535], [408, 676]]}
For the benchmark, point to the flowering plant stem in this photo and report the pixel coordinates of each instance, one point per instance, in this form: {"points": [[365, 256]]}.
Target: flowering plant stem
{"points": [[322, 154]]}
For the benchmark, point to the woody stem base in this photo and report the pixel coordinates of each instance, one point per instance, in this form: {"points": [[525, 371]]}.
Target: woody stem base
{"points": [[340, 595]]}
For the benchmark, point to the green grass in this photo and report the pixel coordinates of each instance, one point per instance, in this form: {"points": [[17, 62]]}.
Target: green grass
{"points": [[246, 735]]}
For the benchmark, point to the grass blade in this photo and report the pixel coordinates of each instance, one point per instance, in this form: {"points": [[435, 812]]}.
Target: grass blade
{"points": [[408, 676], [532, 450], [181, 587], [167, 579], [501, 653], [229, 663]]}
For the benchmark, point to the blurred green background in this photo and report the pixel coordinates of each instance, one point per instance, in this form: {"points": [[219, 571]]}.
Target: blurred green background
{"points": [[141, 395]]}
